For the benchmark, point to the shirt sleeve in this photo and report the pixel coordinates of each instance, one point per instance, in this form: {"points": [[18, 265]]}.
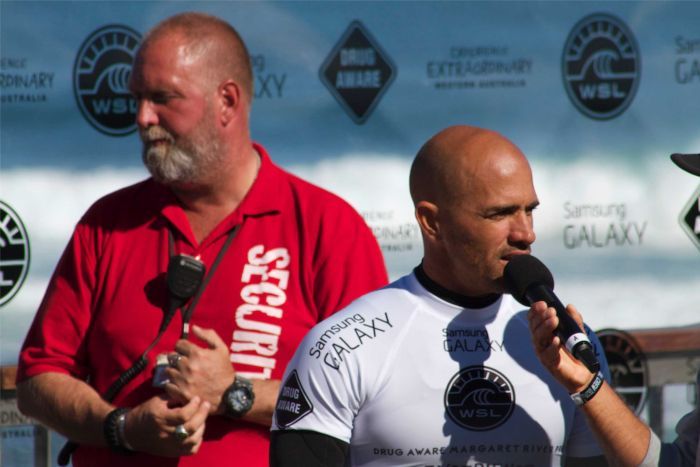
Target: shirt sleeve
{"points": [[683, 450], [55, 341], [318, 394], [350, 263]]}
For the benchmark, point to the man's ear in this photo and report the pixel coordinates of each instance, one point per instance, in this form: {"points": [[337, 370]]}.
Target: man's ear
{"points": [[427, 217], [230, 101]]}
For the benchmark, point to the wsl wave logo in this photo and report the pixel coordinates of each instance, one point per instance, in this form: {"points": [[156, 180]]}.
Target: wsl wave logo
{"points": [[601, 66], [479, 398], [14, 253], [628, 367], [101, 77]]}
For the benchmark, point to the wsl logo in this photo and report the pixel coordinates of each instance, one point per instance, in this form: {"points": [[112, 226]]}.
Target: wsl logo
{"points": [[479, 398], [628, 367], [14, 253], [101, 77], [601, 66]]}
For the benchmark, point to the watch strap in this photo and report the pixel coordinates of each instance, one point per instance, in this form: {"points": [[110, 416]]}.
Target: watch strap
{"points": [[580, 398], [121, 430], [113, 427]]}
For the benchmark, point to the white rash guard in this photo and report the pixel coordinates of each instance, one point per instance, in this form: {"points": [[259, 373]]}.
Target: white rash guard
{"points": [[407, 378]]}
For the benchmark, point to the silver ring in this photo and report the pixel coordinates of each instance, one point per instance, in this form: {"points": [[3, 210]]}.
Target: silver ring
{"points": [[181, 432], [174, 359]]}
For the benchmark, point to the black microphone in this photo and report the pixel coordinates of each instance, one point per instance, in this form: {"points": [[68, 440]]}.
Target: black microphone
{"points": [[529, 281]]}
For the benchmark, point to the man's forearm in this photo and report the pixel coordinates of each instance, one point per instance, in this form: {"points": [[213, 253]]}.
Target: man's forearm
{"points": [[65, 404], [265, 398], [624, 438]]}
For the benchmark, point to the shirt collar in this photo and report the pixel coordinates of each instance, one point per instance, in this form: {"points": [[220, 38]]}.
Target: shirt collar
{"points": [[449, 296], [263, 198]]}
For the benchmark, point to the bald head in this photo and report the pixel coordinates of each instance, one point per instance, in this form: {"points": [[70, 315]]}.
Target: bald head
{"points": [[474, 198], [216, 43], [456, 158]]}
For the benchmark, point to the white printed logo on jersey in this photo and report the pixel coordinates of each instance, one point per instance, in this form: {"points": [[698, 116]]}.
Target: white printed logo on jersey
{"points": [[479, 398], [353, 332]]}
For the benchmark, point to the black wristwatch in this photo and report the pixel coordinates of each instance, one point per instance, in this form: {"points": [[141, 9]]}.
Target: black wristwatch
{"points": [[238, 398]]}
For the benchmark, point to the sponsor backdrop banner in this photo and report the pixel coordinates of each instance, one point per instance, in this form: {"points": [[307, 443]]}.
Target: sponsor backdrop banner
{"points": [[597, 94]]}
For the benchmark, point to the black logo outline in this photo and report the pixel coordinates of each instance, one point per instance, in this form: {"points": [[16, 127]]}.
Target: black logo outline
{"points": [[628, 366], [356, 25], [306, 406], [598, 27], [92, 78], [11, 224], [491, 391], [685, 218]]}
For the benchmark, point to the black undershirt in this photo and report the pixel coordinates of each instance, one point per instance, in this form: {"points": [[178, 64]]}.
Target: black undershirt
{"points": [[453, 297]]}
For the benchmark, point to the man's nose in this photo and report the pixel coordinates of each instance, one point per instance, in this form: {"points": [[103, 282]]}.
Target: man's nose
{"points": [[522, 229], [146, 115]]}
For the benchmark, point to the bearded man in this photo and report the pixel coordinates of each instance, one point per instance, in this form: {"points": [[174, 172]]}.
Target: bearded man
{"points": [[178, 301]]}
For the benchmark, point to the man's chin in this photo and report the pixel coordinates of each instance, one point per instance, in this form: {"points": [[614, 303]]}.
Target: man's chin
{"points": [[166, 175]]}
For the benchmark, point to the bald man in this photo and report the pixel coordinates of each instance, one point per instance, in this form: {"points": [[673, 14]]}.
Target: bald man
{"points": [[437, 368], [178, 302]]}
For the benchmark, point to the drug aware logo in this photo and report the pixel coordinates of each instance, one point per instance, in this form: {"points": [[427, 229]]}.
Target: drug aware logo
{"points": [[690, 218], [357, 72], [101, 79], [479, 398], [293, 403], [601, 66]]}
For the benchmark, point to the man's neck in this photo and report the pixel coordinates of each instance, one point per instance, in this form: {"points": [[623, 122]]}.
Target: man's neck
{"points": [[465, 301], [207, 203]]}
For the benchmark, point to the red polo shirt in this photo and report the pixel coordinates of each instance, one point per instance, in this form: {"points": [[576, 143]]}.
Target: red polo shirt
{"points": [[300, 254]]}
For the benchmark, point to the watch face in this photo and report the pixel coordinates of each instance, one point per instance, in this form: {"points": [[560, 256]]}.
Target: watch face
{"points": [[239, 398]]}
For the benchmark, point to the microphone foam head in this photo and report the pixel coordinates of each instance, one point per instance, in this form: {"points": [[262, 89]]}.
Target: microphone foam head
{"points": [[524, 271]]}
